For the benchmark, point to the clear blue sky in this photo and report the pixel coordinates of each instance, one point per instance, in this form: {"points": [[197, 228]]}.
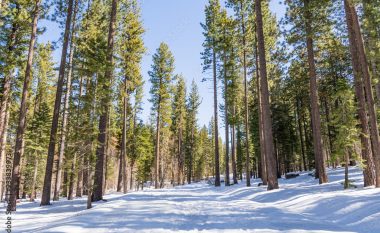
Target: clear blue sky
{"points": [[177, 23]]}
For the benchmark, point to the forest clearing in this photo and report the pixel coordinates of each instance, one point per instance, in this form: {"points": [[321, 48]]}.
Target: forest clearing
{"points": [[190, 116]]}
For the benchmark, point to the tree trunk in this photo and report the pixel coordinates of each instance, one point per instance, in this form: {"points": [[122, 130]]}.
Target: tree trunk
{"points": [[45, 200], [216, 146], [267, 120], [372, 116], [263, 170], [347, 162], [120, 173], [33, 189], [157, 149], [19, 147], [319, 152], [123, 158], [105, 102], [226, 126], [233, 158], [368, 172]]}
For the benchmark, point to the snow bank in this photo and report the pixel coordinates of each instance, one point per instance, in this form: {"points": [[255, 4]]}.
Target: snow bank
{"points": [[301, 205]]}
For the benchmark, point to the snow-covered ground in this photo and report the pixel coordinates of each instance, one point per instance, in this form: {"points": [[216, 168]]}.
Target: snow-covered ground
{"points": [[301, 205]]}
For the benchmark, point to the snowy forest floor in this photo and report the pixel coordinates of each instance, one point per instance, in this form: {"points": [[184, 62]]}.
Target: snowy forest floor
{"points": [[301, 205]]}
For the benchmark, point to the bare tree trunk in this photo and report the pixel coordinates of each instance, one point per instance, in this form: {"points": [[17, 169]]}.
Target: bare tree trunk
{"points": [[123, 158], [216, 146], [120, 173], [103, 121], [233, 158], [226, 126], [266, 114], [89, 188], [319, 152], [157, 149], [45, 200], [369, 175], [19, 147], [347, 162]]}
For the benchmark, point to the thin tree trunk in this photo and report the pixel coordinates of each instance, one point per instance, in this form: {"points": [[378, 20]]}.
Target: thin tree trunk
{"points": [[226, 126], [347, 162], [103, 121], [120, 173], [368, 172], [157, 149], [234, 168], [267, 120], [45, 200], [319, 152], [19, 147], [123, 158], [216, 146]]}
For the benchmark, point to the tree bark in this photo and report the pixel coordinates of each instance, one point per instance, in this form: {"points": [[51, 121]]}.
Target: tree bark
{"points": [[319, 152], [19, 147], [216, 141], [267, 120], [123, 158], [368, 172], [157, 149], [233, 154], [103, 121], [45, 200]]}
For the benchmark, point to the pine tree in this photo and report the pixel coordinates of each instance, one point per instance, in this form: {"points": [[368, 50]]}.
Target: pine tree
{"points": [[45, 200], [362, 79], [266, 115], [131, 51], [178, 125], [19, 150], [192, 106], [212, 12], [161, 77]]}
